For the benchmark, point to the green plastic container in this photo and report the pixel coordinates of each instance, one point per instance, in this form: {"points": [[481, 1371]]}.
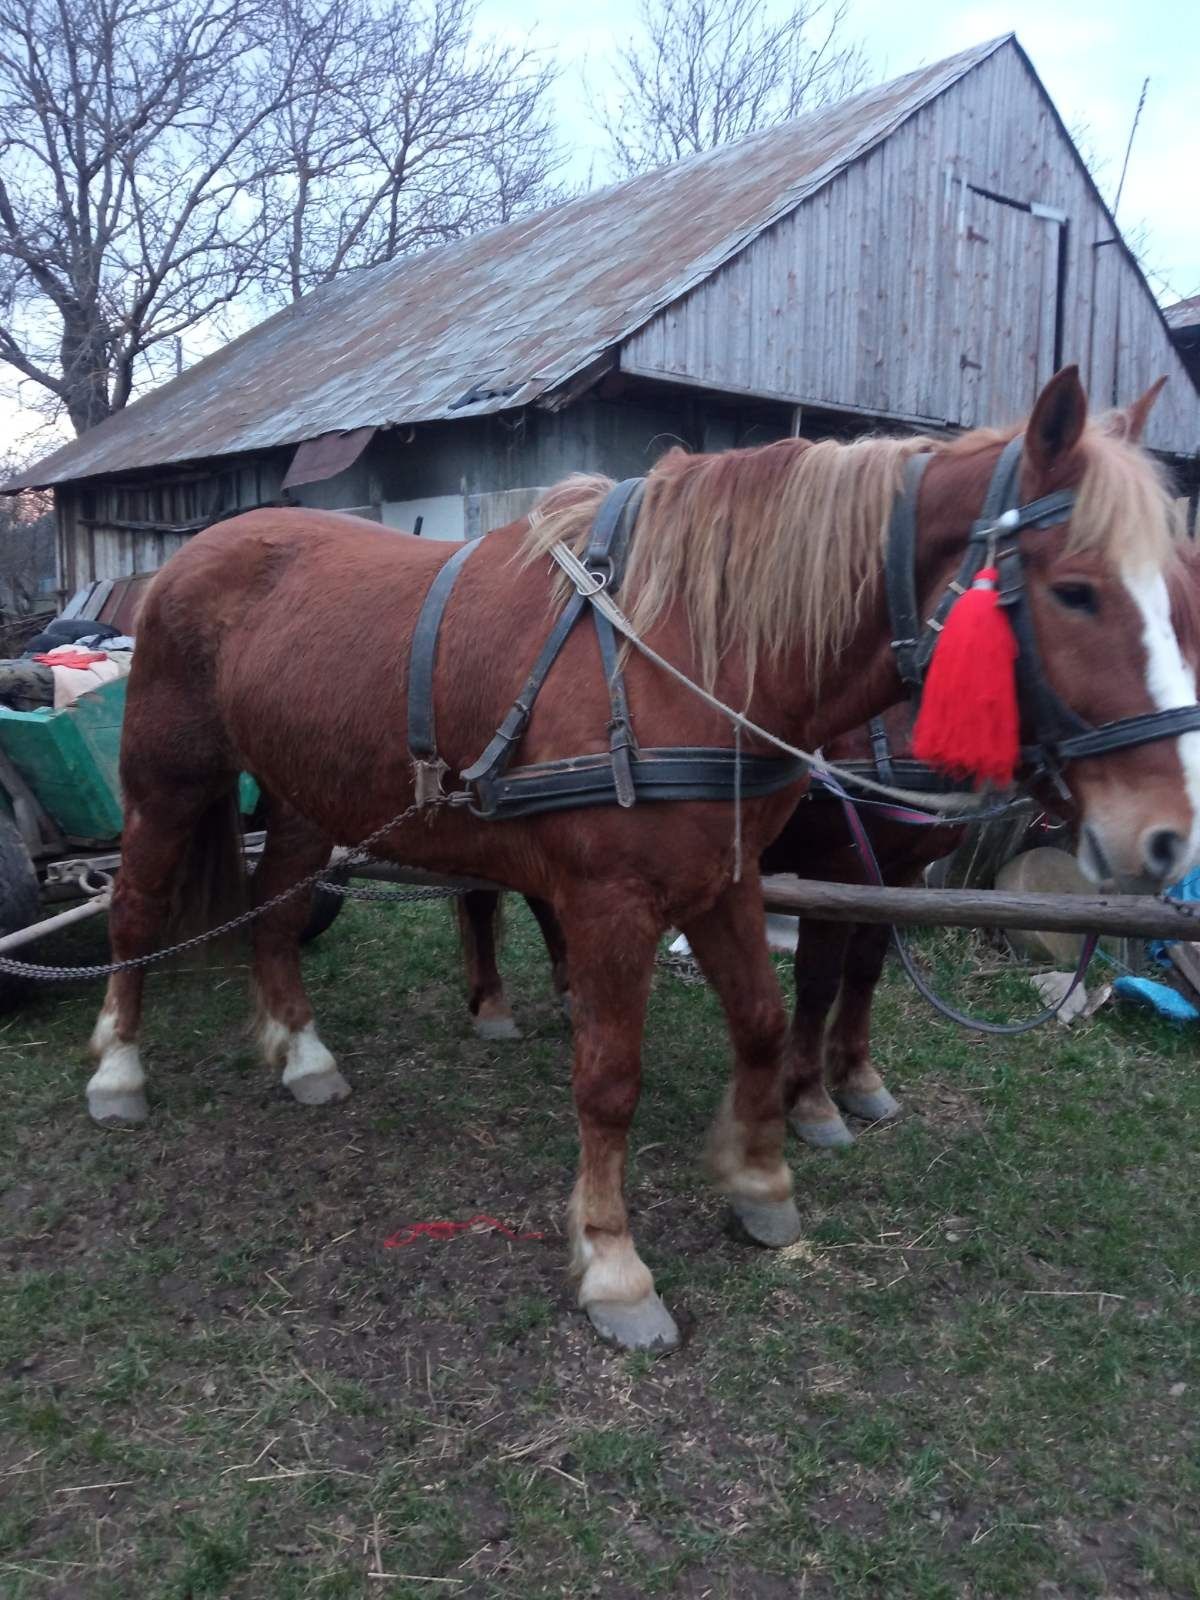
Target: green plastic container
{"points": [[69, 759]]}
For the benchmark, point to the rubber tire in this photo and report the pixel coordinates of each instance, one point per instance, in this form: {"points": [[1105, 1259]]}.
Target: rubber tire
{"points": [[20, 903], [326, 908]]}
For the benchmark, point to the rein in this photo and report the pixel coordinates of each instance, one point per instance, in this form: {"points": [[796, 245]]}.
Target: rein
{"points": [[866, 853]]}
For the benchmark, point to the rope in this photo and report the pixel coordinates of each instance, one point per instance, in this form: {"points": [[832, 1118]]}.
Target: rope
{"points": [[956, 805]]}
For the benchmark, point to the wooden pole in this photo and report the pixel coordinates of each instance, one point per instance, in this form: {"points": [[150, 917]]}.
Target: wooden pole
{"points": [[64, 919], [1140, 915]]}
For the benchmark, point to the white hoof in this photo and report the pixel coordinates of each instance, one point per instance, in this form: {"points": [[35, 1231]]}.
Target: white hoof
{"points": [[773, 1223], [873, 1105], [117, 1105], [318, 1088], [831, 1133], [644, 1325], [496, 1028]]}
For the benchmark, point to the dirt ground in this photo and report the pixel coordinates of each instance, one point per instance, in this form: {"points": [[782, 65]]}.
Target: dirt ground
{"points": [[975, 1375]]}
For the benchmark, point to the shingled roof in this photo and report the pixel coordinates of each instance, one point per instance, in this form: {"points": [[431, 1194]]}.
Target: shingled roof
{"points": [[503, 318]]}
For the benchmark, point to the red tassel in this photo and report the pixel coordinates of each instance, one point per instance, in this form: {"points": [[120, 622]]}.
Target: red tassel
{"points": [[969, 725]]}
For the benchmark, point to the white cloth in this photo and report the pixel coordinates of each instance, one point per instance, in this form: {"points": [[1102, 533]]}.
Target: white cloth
{"points": [[71, 682]]}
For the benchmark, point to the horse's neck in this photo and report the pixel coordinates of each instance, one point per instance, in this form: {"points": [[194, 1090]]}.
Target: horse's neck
{"points": [[850, 686], [860, 680]]}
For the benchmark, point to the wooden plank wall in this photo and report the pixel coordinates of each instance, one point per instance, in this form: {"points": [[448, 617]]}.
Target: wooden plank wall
{"points": [[898, 291]]}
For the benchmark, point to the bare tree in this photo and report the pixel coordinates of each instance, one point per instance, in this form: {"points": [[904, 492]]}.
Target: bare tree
{"points": [[421, 131], [708, 71], [163, 159], [121, 224]]}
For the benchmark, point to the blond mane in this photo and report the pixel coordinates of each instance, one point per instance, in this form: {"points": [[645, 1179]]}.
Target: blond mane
{"points": [[771, 549]]}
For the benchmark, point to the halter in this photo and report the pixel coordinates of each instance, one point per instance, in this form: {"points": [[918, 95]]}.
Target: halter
{"points": [[1060, 734]]}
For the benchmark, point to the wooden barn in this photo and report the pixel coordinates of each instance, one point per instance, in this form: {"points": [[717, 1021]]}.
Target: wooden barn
{"points": [[922, 255]]}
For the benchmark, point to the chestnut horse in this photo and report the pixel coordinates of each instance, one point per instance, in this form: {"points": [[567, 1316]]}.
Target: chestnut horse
{"points": [[758, 572], [828, 1068]]}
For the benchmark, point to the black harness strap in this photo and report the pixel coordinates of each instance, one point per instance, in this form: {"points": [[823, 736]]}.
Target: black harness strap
{"points": [[900, 576], [686, 773], [428, 767], [605, 549], [881, 750]]}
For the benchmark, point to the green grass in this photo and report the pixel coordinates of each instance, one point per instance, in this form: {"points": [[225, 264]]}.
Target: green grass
{"points": [[976, 1374]]}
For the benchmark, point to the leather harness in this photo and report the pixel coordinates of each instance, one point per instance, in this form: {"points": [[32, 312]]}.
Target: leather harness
{"points": [[627, 773]]}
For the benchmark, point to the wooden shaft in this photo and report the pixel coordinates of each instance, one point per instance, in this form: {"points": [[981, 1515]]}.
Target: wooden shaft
{"points": [[63, 919], [1139, 915]]}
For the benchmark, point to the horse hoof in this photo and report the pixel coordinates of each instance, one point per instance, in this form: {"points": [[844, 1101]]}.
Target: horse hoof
{"points": [[644, 1325], [773, 1223], [831, 1133], [117, 1105], [874, 1105], [496, 1028], [319, 1088]]}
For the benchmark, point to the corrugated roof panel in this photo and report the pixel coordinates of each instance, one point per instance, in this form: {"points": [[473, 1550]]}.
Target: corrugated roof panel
{"points": [[509, 315]]}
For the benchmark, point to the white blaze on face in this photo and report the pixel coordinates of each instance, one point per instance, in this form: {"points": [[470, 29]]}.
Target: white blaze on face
{"points": [[1169, 679]]}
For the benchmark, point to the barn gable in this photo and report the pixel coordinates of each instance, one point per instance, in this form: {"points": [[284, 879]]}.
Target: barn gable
{"points": [[941, 279]]}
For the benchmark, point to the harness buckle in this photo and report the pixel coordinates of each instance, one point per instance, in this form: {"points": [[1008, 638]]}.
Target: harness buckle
{"points": [[427, 780]]}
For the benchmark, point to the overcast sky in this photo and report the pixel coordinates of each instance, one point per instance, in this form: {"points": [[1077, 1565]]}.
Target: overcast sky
{"points": [[1092, 55]]}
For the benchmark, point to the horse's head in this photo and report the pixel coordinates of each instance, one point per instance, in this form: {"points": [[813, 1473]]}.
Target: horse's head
{"points": [[1098, 584]]}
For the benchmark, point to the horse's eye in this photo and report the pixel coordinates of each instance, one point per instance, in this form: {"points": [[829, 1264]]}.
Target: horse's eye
{"points": [[1076, 597]]}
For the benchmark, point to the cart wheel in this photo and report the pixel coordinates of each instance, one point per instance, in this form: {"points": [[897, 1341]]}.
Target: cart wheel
{"points": [[326, 908], [20, 902]]}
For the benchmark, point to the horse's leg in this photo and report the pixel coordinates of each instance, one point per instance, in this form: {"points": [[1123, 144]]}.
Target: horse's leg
{"points": [[612, 935], [158, 833], [746, 1143], [287, 1035], [556, 947], [478, 918], [853, 1079], [820, 957]]}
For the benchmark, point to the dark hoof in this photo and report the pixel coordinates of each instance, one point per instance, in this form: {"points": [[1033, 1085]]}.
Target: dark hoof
{"points": [[876, 1105], [116, 1105], [773, 1223], [645, 1325], [831, 1133], [318, 1088]]}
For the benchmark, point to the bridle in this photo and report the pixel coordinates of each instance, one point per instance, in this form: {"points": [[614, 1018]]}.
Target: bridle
{"points": [[1059, 734]]}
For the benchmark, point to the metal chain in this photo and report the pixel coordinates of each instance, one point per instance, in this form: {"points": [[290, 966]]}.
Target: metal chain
{"points": [[360, 852], [397, 896]]}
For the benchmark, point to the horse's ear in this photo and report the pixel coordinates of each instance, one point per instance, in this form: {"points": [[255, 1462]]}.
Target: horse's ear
{"points": [[1057, 420], [1138, 412]]}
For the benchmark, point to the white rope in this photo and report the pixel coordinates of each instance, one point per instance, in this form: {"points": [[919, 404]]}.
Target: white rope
{"points": [[946, 804]]}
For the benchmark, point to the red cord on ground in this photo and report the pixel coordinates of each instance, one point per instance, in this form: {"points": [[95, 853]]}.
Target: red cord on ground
{"points": [[446, 1230]]}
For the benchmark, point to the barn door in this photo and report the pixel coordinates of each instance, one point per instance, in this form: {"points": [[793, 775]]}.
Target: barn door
{"points": [[1008, 274]]}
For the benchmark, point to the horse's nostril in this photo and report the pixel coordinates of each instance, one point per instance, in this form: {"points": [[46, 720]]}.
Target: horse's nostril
{"points": [[1163, 850]]}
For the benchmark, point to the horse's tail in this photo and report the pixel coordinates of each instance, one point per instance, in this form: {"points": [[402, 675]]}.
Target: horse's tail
{"points": [[211, 885]]}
